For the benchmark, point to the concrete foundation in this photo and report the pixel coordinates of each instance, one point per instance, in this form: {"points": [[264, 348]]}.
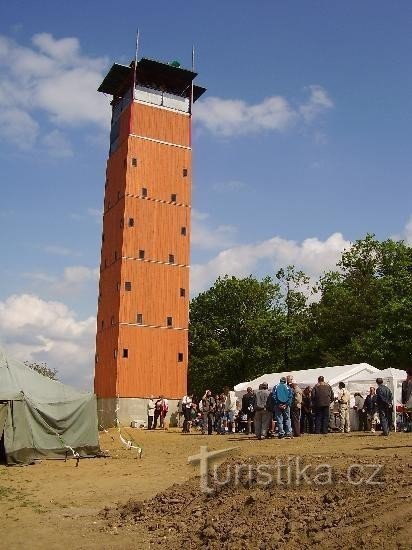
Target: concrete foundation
{"points": [[131, 409]]}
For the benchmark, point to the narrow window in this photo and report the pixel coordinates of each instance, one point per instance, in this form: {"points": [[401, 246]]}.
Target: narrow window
{"points": [[169, 321], [128, 285], [134, 162], [184, 172], [115, 353], [139, 319], [180, 357], [182, 292], [141, 254], [131, 222], [171, 259], [125, 354], [144, 192], [183, 231], [173, 197]]}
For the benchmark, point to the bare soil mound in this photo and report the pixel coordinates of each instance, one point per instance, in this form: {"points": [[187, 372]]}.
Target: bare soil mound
{"points": [[341, 505]]}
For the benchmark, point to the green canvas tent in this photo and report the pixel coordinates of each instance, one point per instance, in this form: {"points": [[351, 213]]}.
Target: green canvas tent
{"points": [[40, 418]]}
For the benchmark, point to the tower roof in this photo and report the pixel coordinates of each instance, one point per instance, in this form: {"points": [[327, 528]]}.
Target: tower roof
{"points": [[153, 74]]}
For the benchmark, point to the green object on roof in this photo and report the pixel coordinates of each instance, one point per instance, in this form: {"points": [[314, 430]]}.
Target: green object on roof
{"points": [[175, 64]]}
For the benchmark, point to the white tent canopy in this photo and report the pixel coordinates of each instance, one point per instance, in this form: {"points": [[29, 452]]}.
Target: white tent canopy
{"points": [[393, 378], [332, 375]]}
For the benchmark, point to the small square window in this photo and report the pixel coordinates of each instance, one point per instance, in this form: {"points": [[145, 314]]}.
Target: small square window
{"points": [[125, 353], [134, 162], [139, 319], [182, 292], [171, 259], [131, 222], [184, 172], [128, 285], [183, 231], [173, 197], [115, 353], [141, 254], [144, 192], [169, 321], [180, 357]]}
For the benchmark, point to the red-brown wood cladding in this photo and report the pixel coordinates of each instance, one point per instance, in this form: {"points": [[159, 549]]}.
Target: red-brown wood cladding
{"points": [[152, 366]]}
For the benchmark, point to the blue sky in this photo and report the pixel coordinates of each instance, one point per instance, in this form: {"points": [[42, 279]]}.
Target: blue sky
{"points": [[302, 144]]}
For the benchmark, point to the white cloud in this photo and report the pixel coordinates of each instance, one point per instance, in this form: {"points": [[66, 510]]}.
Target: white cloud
{"points": [[52, 78], [319, 101], [37, 330], [57, 249], [311, 255], [57, 145], [406, 234], [205, 237], [73, 280], [228, 117]]}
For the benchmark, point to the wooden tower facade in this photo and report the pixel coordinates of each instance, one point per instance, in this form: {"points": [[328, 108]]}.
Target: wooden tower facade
{"points": [[142, 319]]}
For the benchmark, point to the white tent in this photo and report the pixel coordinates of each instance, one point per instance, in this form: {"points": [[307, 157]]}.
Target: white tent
{"points": [[309, 377]]}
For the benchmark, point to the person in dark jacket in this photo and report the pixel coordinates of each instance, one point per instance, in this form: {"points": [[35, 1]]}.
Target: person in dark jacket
{"points": [[370, 408], [384, 402], [248, 407], [322, 397], [208, 412], [306, 419]]}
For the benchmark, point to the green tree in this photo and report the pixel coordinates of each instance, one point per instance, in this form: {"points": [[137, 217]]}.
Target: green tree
{"points": [[233, 334], [42, 369]]}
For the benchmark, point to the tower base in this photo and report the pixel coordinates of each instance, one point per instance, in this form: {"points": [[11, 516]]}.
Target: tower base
{"points": [[131, 409]]}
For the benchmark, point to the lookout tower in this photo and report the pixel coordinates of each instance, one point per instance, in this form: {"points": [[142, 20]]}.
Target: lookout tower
{"points": [[143, 304]]}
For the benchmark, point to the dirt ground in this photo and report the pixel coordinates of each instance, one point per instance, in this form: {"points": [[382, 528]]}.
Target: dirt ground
{"points": [[126, 502]]}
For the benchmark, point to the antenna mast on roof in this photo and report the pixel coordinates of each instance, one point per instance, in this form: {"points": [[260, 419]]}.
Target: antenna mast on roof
{"points": [[193, 70], [135, 61]]}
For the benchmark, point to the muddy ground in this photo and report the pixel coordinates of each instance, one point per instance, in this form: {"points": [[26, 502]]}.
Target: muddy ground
{"points": [[268, 501]]}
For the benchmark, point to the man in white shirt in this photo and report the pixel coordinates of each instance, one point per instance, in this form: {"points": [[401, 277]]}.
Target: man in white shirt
{"points": [[344, 401], [186, 404], [230, 409], [150, 412]]}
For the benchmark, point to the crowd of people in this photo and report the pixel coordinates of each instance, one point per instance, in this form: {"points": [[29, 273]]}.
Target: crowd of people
{"points": [[285, 410]]}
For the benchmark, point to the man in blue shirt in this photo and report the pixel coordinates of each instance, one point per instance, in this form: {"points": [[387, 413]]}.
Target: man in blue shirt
{"points": [[282, 396]]}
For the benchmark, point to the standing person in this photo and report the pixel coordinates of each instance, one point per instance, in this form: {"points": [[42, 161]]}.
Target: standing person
{"points": [[248, 408], [384, 401], [187, 401], [370, 408], [344, 401], [220, 413], [306, 418], [165, 410], [158, 411], [322, 397], [407, 400], [360, 412], [262, 414], [231, 409], [282, 396], [150, 412], [208, 411], [295, 409]]}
